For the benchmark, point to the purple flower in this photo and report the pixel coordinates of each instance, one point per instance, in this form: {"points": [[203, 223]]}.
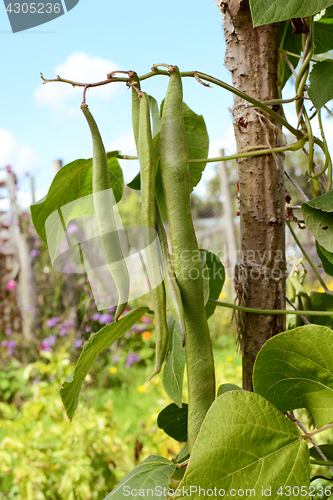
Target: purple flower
{"points": [[88, 329], [37, 243], [11, 346], [30, 228], [8, 331], [115, 358], [36, 381], [48, 342], [112, 309], [105, 318], [63, 332], [132, 358], [147, 320], [52, 321], [96, 317], [34, 252], [4, 343], [9, 221], [69, 324], [78, 343], [72, 228]]}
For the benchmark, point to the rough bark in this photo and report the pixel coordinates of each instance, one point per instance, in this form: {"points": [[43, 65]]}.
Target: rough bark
{"points": [[252, 58]]}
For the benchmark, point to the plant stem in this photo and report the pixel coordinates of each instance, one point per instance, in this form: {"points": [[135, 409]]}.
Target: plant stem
{"points": [[315, 270], [270, 311], [192, 74], [291, 147], [308, 435]]}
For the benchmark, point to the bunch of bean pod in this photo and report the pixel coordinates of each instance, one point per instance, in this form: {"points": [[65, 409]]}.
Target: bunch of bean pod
{"points": [[183, 281], [103, 205]]}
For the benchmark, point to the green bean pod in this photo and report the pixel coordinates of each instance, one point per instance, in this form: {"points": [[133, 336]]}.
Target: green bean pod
{"points": [[173, 295], [148, 219], [187, 265], [105, 216]]}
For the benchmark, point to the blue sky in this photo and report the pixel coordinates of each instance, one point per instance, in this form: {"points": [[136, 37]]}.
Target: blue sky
{"points": [[39, 123]]}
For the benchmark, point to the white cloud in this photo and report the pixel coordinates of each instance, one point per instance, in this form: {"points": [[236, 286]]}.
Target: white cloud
{"points": [[19, 155], [80, 67]]}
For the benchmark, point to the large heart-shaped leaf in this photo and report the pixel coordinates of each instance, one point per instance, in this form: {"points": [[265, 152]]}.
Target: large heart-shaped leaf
{"points": [[273, 11], [245, 444], [73, 181], [318, 216], [152, 475], [97, 343], [295, 370]]}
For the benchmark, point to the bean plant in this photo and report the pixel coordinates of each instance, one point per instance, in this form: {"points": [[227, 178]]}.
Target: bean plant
{"points": [[236, 443]]}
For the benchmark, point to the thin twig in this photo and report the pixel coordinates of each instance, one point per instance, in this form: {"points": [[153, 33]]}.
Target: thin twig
{"points": [[290, 65], [301, 315], [299, 189]]}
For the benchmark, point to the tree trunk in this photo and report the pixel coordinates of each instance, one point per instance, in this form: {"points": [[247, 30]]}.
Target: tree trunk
{"points": [[252, 58]]}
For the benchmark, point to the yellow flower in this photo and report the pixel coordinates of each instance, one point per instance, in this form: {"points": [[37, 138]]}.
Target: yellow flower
{"points": [[229, 359], [222, 295], [141, 389], [113, 369]]}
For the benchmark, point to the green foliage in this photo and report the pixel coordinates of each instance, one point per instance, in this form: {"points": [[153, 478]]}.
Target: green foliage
{"points": [[245, 443], [268, 11], [321, 79], [295, 370], [73, 181], [102, 340], [173, 420], [318, 217], [173, 372], [151, 473], [44, 456]]}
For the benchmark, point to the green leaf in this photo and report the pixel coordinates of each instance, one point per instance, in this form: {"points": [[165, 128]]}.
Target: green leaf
{"points": [[327, 450], [97, 343], [197, 144], [73, 181], [328, 16], [152, 474], [318, 216], [244, 444], [323, 37], [216, 279], [326, 258], [273, 11], [295, 370], [173, 421], [135, 183], [227, 388], [184, 454], [321, 302], [321, 83], [173, 372], [292, 43]]}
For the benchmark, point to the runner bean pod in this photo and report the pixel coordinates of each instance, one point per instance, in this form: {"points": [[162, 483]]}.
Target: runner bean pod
{"points": [[148, 219], [103, 205], [187, 265]]}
